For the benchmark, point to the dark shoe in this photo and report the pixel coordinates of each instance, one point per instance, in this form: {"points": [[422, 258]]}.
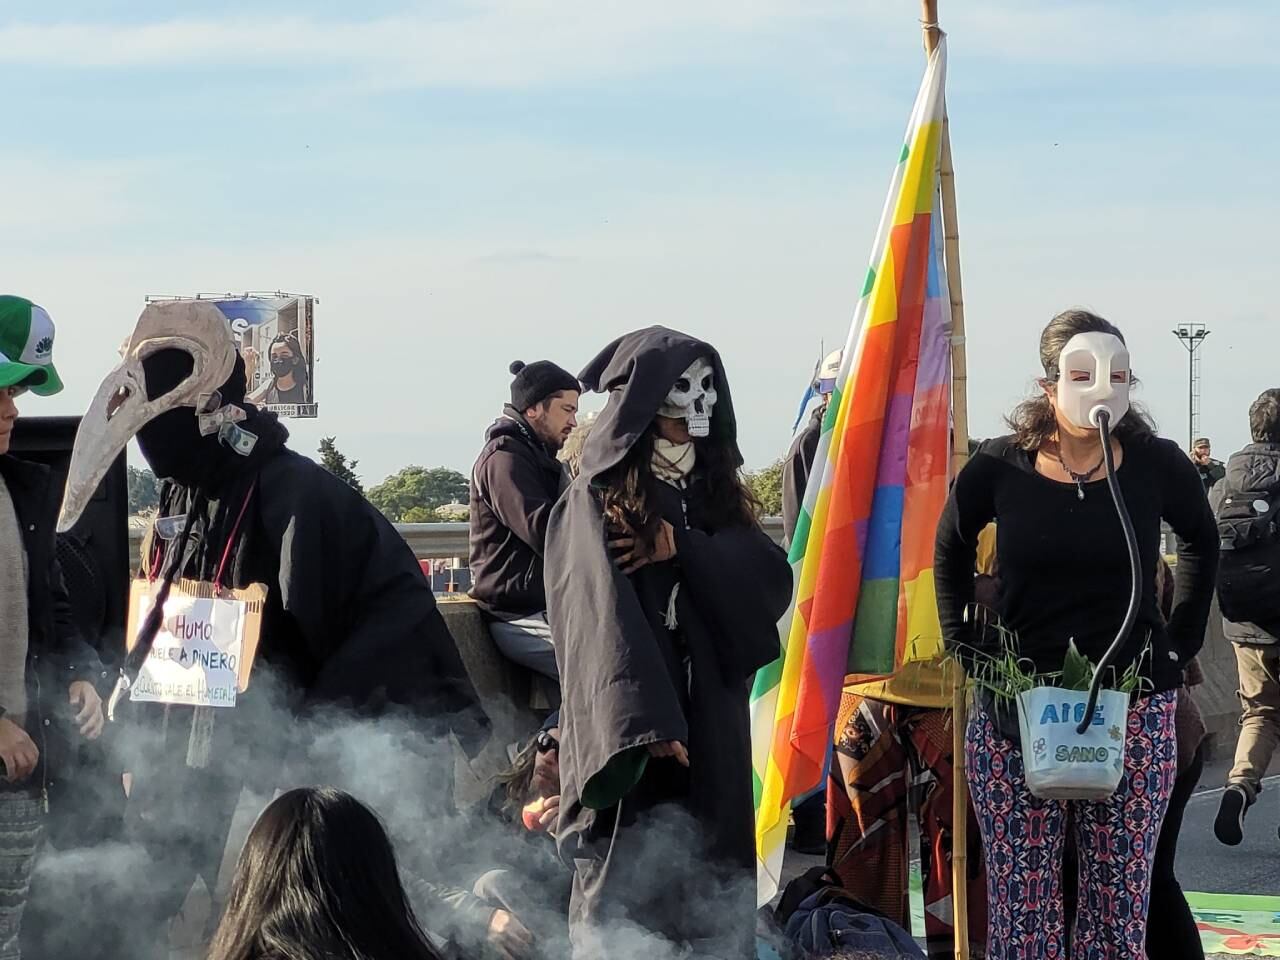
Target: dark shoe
{"points": [[1229, 827]]}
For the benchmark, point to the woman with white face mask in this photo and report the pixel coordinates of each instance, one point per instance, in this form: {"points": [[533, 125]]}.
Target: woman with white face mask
{"points": [[1065, 574]]}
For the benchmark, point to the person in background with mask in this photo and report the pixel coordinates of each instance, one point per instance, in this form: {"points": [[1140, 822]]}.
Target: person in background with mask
{"points": [[288, 383], [664, 596], [46, 668], [349, 625], [1065, 573], [515, 482]]}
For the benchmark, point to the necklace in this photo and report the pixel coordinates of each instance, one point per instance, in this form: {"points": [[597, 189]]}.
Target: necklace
{"points": [[1080, 478]]}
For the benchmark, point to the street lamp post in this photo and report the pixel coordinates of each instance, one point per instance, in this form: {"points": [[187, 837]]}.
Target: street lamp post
{"points": [[1191, 336]]}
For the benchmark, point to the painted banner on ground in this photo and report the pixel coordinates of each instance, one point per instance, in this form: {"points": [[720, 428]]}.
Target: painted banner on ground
{"points": [[1236, 925]]}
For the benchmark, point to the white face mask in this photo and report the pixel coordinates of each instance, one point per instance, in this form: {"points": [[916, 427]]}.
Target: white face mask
{"points": [[1093, 375], [692, 398]]}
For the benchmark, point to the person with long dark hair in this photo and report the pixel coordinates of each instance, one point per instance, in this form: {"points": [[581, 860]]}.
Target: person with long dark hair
{"points": [[664, 596], [1065, 575], [317, 880]]}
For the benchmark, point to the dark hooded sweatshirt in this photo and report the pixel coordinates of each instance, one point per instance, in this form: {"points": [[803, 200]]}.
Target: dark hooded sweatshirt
{"points": [[669, 848], [1253, 473], [514, 484]]}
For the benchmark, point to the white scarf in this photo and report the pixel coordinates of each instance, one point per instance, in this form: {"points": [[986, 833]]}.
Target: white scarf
{"points": [[673, 462]]}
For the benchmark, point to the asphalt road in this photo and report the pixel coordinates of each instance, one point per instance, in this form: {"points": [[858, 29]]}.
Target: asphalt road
{"points": [[1206, 866]]}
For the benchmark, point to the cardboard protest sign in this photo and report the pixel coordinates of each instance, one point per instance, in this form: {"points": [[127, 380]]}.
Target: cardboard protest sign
{"points": [[203, 654]]}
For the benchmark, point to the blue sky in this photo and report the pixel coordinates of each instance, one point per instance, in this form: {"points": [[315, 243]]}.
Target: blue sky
{"points": [[467, 183]]}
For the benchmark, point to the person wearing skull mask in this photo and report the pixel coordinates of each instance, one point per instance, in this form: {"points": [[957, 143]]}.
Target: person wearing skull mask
{"points": [[349, 619], [664, 596], [288, 383], [1065, 576]]}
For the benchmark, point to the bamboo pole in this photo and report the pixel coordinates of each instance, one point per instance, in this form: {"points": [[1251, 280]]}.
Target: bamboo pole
{"points": [[959, 455]]}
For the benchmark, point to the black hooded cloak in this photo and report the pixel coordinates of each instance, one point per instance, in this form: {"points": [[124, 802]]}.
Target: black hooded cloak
{"points": [[654, 844]]}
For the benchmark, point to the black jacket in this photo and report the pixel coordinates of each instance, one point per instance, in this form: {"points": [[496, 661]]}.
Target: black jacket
{"points": [[1254, 470], [350, 618], [56, 654], [795, 471], [514, 484]]}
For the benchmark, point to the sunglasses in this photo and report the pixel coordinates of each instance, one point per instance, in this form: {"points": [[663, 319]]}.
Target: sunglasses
{"points": [[546, 742]]}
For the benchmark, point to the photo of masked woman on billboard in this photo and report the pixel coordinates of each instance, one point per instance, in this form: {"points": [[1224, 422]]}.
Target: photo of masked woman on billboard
{"points": [[275, 335], [288, 382]]}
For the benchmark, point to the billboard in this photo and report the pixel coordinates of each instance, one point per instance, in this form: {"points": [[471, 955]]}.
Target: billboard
{"points": [[275, 333]]}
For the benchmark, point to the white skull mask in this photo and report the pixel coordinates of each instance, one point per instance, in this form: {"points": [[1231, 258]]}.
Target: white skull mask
{"points": [[692, 398], [120, 408]]}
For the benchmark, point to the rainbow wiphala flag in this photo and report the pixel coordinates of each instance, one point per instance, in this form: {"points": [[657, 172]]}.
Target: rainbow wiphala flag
{"points": [[862, 554]]}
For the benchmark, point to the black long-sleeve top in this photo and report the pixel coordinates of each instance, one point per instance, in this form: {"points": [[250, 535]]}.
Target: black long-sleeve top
{"points": [[1064, 566]]}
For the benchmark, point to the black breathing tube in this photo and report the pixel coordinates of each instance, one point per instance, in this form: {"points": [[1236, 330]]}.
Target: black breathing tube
{"points": [[1103, 420]]}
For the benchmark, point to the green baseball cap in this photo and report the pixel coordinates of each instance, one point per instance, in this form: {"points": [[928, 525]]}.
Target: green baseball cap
{"points": [[26, 347]]}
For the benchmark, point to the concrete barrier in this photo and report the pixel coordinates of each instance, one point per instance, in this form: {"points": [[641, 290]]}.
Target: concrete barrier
{"points": [[515, 699]]}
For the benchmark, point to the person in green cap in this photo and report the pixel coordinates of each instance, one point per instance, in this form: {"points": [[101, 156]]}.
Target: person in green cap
{"points": [[40, 647]]}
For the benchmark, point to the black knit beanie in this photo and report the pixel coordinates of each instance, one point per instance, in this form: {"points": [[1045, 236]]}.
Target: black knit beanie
{"points": [[534, 382]]}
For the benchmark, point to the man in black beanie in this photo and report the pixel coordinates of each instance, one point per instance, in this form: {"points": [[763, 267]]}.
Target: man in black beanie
{"points": [[514, 484]]}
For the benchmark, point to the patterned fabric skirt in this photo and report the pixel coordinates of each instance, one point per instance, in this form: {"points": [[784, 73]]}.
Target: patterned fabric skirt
{"points": [[891, 763], [21, 827], [1023, 838]]}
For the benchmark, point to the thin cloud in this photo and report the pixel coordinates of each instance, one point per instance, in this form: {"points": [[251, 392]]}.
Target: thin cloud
{"points": [[523, 43], [521, 258]]}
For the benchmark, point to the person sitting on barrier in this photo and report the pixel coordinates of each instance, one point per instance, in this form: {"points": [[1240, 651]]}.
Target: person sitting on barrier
{"points": [[515, 482], [349, 625], [318, 878], [1065, 574]]}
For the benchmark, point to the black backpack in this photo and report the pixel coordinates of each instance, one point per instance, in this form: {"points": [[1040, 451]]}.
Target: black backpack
{"points": [[1249, 564]]}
